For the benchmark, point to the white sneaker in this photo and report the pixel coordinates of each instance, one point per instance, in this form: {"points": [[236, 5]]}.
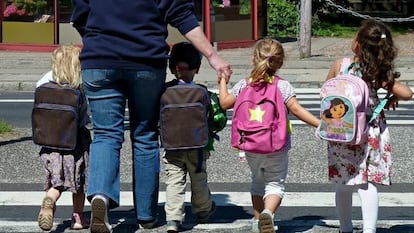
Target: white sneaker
{"points": [[266, 222], [99, 215], [255, 226]]}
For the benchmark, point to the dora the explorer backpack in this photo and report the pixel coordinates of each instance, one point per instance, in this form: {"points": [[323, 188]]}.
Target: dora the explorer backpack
{"points": [[184, 117], [259, 123], [55, 116], [344, 105]]}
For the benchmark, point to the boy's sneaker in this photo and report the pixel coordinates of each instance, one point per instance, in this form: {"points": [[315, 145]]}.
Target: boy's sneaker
{"points": [[99, 215], [203, 217], [266, 222], [173, 226], [148, 224]]}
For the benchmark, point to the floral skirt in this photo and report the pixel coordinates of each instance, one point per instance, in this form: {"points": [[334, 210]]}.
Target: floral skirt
{"points": [[359, 164], [67, 170]]}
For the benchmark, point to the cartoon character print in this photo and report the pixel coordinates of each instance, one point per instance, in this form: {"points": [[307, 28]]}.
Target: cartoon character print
{"points": [[333, 117], [370, 161]]}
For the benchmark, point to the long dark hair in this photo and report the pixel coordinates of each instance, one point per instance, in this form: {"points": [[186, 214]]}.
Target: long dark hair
{"points": [[377, 54]]}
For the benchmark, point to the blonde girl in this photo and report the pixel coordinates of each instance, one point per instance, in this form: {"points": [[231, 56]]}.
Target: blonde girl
{"points": [[66, 170], [269, 171]]}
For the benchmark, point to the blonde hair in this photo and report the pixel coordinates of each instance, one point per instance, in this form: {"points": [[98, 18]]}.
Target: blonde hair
{"points": [[66, 65], [268, 57]]}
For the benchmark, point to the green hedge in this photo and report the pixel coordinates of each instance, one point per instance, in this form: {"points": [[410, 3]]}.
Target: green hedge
{"points": [[283, 18]]}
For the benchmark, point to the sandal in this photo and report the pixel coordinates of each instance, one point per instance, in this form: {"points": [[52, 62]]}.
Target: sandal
{"points": [[78, 222], [45, 220]]}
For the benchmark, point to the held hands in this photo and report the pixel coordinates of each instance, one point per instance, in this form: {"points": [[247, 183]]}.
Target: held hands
{"points": [[392, 103], [400, 92], [223, 79], [222, 68]]}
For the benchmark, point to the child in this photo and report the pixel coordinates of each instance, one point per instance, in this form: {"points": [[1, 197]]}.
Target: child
{"points": [[66, 170], [184, 63], [362, 166], [268, 171]]}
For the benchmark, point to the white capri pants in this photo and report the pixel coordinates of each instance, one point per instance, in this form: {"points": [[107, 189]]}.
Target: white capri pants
{"points": [[268, 173]]}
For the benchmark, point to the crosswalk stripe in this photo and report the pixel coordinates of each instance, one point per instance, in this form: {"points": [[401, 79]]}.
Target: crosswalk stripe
{"points": [[16, 100], [31, 226], [291, 199]]}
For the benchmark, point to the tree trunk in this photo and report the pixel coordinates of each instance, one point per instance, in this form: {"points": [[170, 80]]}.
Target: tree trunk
{"points": [[305, 31]]}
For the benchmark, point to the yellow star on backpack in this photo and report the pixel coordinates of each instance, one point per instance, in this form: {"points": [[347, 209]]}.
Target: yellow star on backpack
{"points": [[256, 114]]}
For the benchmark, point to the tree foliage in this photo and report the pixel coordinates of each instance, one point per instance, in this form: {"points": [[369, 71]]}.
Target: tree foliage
{"points": [[283, 18]]}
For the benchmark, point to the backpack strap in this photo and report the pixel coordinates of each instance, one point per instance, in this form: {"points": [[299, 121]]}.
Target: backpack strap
{"points": [[82, 100], [348, 67], [346, 61], [380, 107], [289, 124]]}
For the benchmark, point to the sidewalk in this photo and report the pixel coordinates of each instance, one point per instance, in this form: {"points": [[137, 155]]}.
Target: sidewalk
{"points": [[19, 71]]}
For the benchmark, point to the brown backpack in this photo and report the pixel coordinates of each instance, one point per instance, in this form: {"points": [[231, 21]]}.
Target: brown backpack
{"points": [[55, 116], [184, 117]]}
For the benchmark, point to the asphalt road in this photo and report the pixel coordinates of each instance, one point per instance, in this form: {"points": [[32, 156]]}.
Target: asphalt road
{"points": [[302, 211], [308, 206]]}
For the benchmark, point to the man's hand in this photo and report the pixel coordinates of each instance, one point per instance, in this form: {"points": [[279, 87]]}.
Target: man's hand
{"points": [[222, 68]]}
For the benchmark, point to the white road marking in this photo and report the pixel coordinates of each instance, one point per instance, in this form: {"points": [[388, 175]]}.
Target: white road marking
{"points": [[291, 199]]}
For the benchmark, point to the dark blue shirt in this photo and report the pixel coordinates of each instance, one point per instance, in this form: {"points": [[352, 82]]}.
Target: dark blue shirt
{"points": [[127, 34]]}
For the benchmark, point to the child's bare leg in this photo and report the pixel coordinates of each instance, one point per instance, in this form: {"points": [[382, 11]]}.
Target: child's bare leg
{"points": [[46, 213], [78, 200], [258, 205], [266, 217], [272, 202], [54, 194]]}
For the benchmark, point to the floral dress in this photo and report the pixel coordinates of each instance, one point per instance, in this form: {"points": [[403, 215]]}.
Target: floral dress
{"points": [[67, 170], [368, 162]]}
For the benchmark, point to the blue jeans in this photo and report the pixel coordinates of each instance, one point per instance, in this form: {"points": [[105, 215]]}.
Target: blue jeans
{"points": [[107, 91]]}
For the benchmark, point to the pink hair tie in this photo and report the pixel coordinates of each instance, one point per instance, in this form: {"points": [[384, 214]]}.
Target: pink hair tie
{"points": [[269, 58]]}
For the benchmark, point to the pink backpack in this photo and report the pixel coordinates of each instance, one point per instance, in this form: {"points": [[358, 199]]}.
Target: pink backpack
{"points": [[344, 105], [259, 123]]}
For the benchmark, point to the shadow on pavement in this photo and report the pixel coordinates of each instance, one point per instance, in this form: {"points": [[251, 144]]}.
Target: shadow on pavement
{"points": [[306, 223], [409, 228], [22, 139]]}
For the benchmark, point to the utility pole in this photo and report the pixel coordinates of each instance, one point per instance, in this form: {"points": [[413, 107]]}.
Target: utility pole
{"points": [[305, 30]]}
